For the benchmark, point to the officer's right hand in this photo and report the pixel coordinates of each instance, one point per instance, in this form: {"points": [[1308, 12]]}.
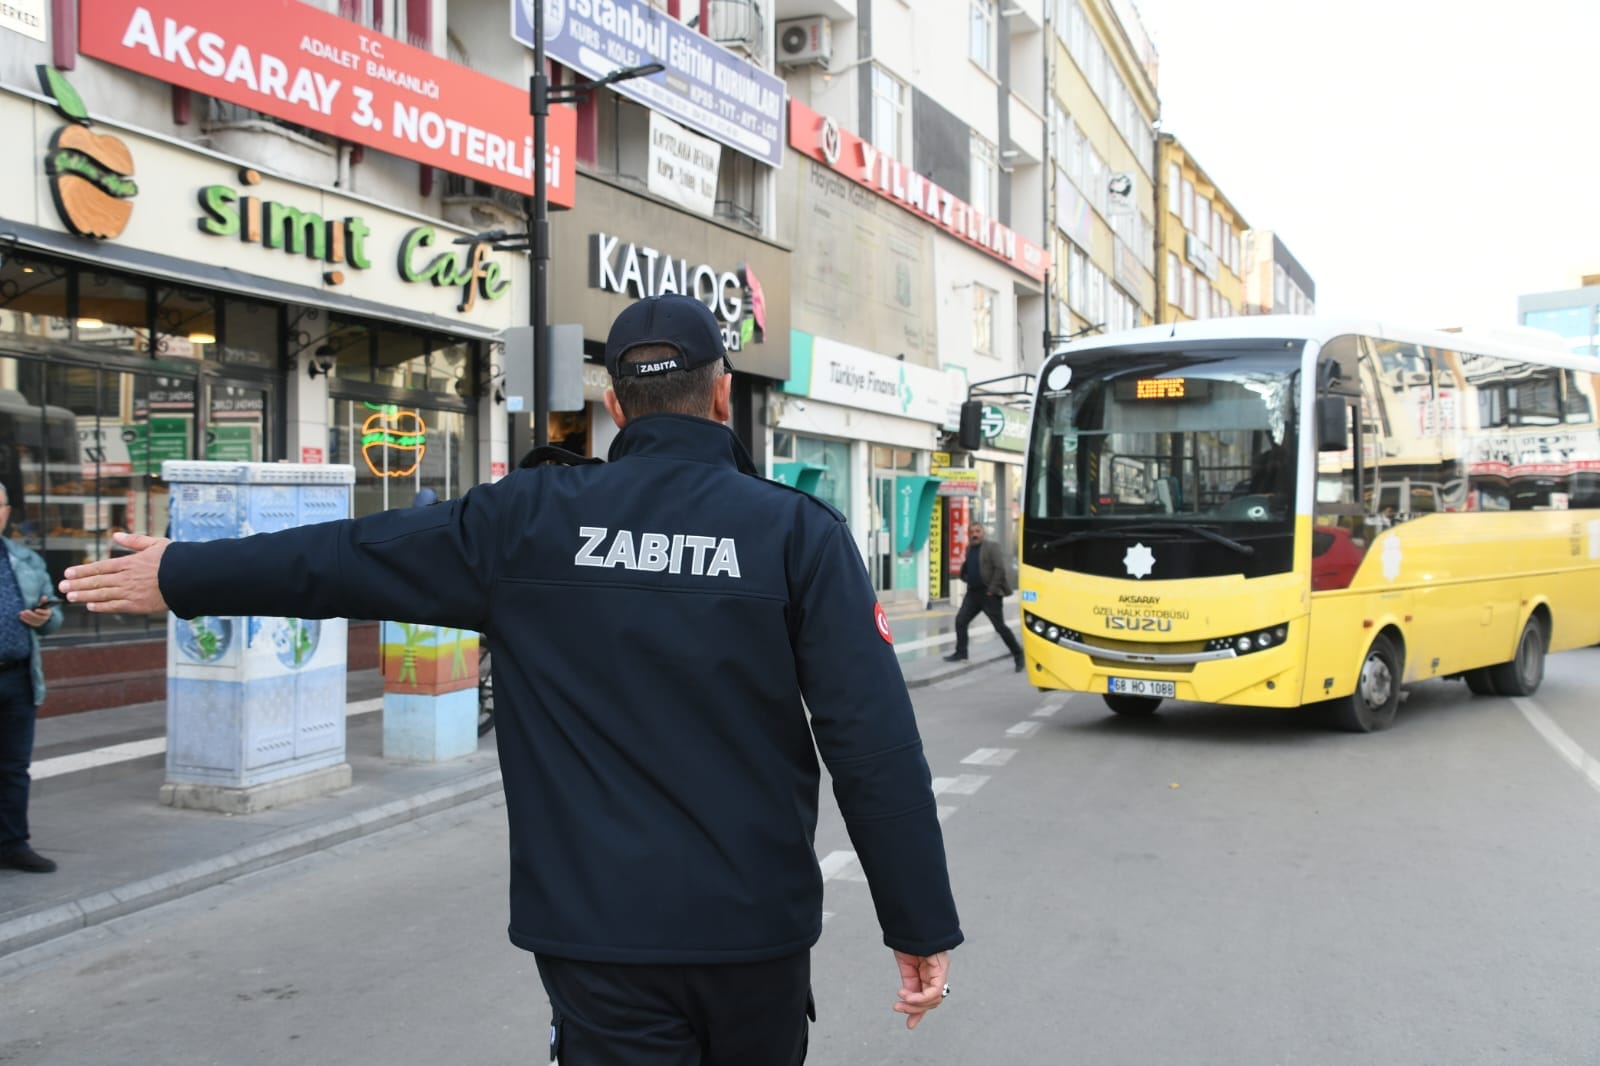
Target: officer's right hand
{"points": [[129, 584], [923, 980]]}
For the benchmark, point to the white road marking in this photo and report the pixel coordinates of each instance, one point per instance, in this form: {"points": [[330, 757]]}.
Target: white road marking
{"points": [[139, 749], [1050, 706], [1023, 729], [964, 785], [990, 757], [946, 812], [1558, 739], [834, 864]]}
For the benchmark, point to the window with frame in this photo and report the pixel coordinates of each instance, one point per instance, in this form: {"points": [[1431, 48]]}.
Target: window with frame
{"points": [[1174, 189], [983, 300], [388, 17], [985, 187], [981, 41], [888, 113], [1187, 204]]}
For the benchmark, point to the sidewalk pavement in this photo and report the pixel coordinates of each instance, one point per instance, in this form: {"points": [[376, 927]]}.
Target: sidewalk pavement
{"points": [[97, 777]]}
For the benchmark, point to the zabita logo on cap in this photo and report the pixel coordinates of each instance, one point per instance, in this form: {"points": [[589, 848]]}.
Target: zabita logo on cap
{"points": [[90, 173]]}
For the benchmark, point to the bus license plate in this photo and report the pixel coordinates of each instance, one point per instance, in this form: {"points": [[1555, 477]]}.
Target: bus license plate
{"points": [[1138, 686]]}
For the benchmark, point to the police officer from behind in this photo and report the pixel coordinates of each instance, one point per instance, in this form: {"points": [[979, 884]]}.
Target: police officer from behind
{"points": [[660, 626]]}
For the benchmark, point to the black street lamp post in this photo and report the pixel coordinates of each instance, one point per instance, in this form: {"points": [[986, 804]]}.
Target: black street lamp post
{"points": [[536, 241]]}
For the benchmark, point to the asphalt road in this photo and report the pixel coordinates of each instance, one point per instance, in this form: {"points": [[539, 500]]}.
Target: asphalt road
{"points": [[1205, 887]]}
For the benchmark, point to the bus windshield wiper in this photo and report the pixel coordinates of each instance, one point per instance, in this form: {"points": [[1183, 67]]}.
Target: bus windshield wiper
{"points": [[1149, 528]]}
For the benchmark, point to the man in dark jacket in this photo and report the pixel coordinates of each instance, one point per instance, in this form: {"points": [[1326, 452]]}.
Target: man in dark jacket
{"points": [[655, 624], [988, 584]]}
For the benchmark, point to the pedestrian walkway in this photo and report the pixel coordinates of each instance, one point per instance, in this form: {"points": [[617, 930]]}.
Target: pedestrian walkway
{"points": [[98, 775]]}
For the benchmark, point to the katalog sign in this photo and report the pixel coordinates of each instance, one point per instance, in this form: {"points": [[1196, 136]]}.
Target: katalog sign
{"points": [[821, 138], [292, 61], [705, 86]]}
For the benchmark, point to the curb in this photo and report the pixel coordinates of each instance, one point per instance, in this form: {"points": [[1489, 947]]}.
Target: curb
{"points": [[956, 671], [63, 918]]}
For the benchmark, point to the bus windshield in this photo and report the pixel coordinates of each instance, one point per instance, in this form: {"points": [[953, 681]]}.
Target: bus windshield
{"points": [[1195, 445]]}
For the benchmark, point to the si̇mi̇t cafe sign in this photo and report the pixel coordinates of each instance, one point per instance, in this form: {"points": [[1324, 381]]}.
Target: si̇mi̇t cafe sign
{"points": [[92, 182]]}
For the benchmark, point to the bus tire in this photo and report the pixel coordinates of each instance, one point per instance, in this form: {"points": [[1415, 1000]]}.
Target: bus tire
{"points": [[1372, 705], [1523, 674], [1132, 706], [1480, 682]]}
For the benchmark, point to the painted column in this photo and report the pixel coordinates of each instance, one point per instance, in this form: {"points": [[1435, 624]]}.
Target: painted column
{"points": [[430, 692], [255, 706]]}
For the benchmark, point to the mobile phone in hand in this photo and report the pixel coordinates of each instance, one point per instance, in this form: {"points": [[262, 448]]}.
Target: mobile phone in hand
{"points": [[49, 601]]}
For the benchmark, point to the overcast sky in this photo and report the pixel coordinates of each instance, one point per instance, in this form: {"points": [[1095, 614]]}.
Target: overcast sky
{"points": [[1426, 162]]}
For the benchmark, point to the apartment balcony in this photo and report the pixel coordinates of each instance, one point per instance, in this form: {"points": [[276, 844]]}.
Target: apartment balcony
{"points": [[836, 10], [740, 26]]}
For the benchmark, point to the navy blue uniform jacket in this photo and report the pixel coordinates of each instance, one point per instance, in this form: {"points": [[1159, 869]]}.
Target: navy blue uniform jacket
{"points": [[655, 622]]}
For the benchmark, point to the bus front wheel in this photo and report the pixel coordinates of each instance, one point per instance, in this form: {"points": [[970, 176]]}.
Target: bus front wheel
{"points": [[1523, 674], [1377, 696], [1133, 706]]}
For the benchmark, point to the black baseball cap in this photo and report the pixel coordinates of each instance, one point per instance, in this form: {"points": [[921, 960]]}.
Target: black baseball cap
{"points": [[681, 323]]}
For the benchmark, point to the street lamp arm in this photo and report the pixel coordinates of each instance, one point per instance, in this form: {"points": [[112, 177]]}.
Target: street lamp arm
{"points": [[572, 93], [1053, 339]]}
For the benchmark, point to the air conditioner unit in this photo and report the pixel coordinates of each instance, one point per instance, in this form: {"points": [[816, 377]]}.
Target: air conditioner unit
{"points": [[807, 40]]}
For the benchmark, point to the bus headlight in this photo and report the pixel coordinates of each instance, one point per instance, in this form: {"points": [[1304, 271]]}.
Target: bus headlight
{"points": [[1245, 643]]}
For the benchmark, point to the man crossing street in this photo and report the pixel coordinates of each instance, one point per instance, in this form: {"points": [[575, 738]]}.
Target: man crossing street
{"points": [[987, 587]]}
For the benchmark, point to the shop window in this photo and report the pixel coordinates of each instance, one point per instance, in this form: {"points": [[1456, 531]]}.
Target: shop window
{"points": [[185, 324], [398, 450], [113, 313], [400, 360], [903, 459], [252, 334], [351, 344], [833, 484], [33, 298]]}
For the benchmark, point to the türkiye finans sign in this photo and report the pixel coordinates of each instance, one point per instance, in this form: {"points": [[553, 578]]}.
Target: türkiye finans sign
{"points": [[292, 61], [821, 138]]}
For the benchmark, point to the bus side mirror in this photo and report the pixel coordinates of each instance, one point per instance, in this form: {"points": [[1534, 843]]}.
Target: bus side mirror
{"points": [[971, 434], [1333, 424]]}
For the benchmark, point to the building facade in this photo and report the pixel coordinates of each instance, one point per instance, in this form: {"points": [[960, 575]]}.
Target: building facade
{"points": [[1573, 314], [1199, 241], [913, 199], [1274, 281], [1102, 109]]}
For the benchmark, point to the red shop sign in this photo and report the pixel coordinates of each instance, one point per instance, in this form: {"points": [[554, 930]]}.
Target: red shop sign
{"points": [[291, 60], [821, 138]]}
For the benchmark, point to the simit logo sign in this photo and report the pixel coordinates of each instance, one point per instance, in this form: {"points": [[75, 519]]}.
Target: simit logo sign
{"points": [[90, 173]]}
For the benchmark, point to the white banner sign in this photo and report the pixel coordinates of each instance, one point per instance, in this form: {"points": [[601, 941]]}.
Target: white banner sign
{"points": [[855, 377], [24, 16], [683, 165]]}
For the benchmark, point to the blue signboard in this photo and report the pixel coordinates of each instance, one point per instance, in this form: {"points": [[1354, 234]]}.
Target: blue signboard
{"points": [[705, 86]]}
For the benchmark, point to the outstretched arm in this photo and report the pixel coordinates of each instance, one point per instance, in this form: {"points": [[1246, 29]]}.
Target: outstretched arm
{"points": [[128, 584]]}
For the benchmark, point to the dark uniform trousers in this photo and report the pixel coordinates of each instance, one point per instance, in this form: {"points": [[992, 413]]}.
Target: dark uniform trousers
{"points": [[716, 1014]]}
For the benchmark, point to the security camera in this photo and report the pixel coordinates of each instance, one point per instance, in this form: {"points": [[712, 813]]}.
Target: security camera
{"points": [[322, 361]]}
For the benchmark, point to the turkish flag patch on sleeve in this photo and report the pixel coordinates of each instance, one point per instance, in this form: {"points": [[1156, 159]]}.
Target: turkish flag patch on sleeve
{"points": [[881, 620]]}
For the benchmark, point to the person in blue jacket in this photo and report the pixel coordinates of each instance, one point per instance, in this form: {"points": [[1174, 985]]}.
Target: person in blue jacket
{"points": [[25, 615], [660, 624]]}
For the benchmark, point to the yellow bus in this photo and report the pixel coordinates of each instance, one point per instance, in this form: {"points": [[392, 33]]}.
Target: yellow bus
{"points": [[1284, 511]]}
